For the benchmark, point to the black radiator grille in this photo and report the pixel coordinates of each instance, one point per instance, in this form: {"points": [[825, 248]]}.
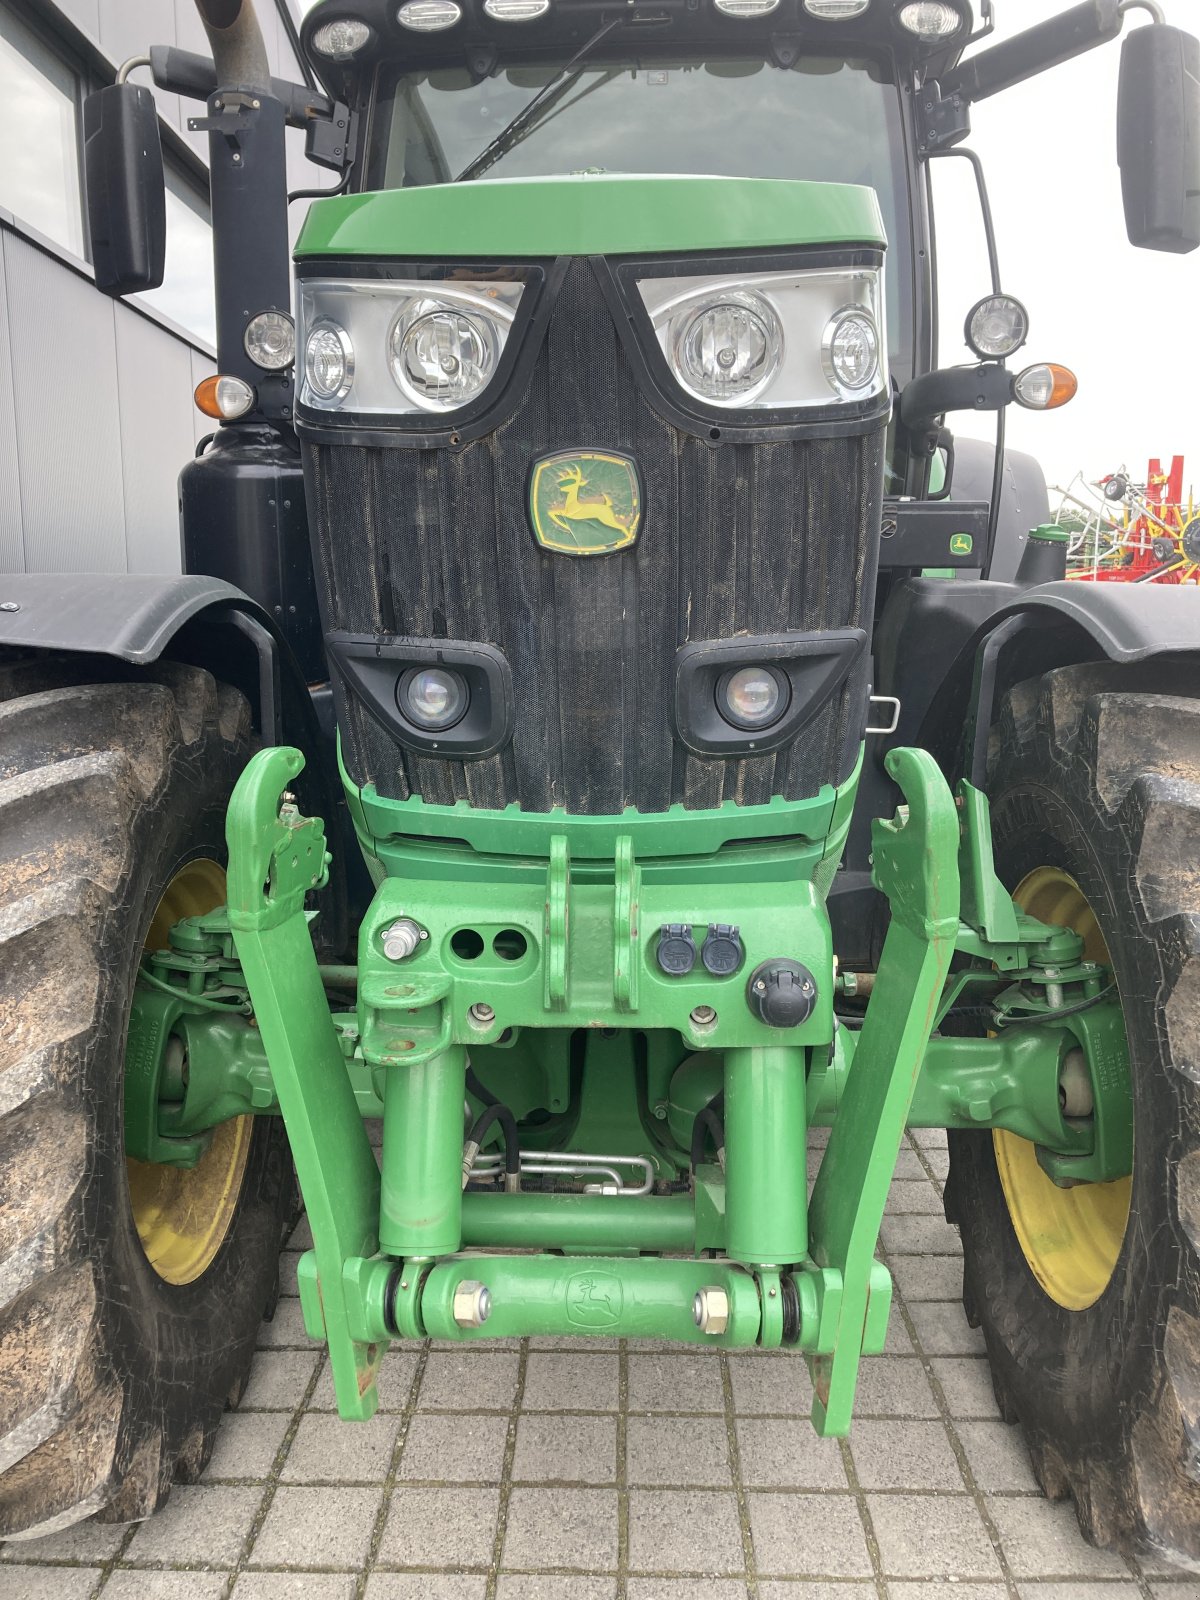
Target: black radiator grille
{"points": [[740, 538]]}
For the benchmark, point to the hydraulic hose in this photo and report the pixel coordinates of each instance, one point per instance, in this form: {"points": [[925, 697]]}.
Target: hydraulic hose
{"points": [[708, 1122], [495, 1113]]}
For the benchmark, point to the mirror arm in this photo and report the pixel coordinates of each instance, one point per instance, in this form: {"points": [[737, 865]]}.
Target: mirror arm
{"points": [[1037, 49], [195, 77], [987, 387]]}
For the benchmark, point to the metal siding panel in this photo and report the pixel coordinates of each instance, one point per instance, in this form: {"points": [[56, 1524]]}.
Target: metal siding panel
{"points": [[84, 14], [190, 35], [68, 438], [12, 543], [153, 372], [129, 28], [202, 367]]}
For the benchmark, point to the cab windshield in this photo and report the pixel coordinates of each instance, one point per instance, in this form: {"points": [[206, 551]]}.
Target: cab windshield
{"points": [[825, 118]]}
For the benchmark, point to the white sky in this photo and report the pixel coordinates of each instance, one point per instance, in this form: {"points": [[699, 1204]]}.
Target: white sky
{"points": [[1126, 321]]}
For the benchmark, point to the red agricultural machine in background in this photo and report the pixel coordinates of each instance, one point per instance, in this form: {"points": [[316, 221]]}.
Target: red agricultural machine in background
{"points": [[1127, 532]]}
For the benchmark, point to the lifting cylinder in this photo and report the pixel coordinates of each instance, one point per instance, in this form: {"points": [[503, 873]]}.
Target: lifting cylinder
{"points": [[766, 1160], [420, 1201]]}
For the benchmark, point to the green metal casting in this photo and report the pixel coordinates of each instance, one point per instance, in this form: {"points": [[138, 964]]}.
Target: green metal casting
{"points": [[766, 1176], [420, 1209], [580, 1223], [590, 214]]}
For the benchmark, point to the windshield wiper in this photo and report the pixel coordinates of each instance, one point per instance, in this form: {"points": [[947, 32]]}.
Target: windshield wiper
{"points": [[528, 116]]}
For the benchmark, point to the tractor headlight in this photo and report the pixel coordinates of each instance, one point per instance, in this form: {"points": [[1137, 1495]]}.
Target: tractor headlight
{"points": [[773, 341], [379, 346], [442, 357], [434, 698]]}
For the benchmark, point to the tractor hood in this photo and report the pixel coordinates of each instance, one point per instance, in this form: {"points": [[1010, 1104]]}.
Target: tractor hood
{"points": [[591, 214]]}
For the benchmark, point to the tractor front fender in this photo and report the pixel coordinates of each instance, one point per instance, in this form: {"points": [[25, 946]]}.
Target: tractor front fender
{"points": [[1031, 632], [141, 618]]}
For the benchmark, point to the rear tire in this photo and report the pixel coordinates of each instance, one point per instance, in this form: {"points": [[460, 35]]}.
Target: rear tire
{"points": [[112, 1379], [1096, 775]]}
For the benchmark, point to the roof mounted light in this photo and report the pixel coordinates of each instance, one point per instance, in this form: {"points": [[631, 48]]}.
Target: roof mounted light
{"points": [[997, 327], [930, 20], [516, 10], [429, 16], [746, 8], [836, 10], [342, 39]]}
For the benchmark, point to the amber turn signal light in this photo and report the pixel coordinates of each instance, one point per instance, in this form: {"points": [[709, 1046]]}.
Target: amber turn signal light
{"points": [[223, 398], [1045, 387]]}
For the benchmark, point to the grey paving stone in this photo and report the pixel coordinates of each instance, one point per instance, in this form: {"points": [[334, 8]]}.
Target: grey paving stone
{"points": [[200, 1525], [919, 1236], [904, 1455], [443, 1449], [908, 1166], [83, 1541], [927, 1277], [686, 1589], [898, 1342], [566, 1450], [483, 1343], [908, 1197], [684, 1530], [143, 1585], [763, 1385], [795, 1589], [808, 1536], [561, 1528], [247, 1444], [950, 1590], [424, 1586], [469, 1380], [997, 1456], [939, 1161], [928, 1138], [787, 1455], [531, 1586], [673, 1451], [292, 1586], [570, 1382], [943, 1330], [328, 1450], [301, 1238], [288, 1284], [931, 1536], [440, 1527], [894, 1386], [588, 1343], [1042, 1540], [285, 1329], [395, 1381], [1101, 1589], [1165, 1589], [967, 1386], [278, 1380], [316, 1528], [50, 1583], [676, 1381]]}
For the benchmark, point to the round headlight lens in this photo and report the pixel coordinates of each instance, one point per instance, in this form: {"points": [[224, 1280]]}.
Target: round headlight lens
{"points": [[329, 361], [729, 350], [753, 697], [997, 327], [428, 16], [434, 698], [931, 19], [270, 340], [442, 357], [851, 350], [342, 39], [836, 10]]}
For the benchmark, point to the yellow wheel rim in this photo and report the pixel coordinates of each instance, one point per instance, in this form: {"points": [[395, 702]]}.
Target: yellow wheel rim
{"points": [[183, 1215], [1071, 1238]]}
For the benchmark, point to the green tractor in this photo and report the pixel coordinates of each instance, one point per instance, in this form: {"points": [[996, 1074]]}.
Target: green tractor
{"points": [[605, 729]]}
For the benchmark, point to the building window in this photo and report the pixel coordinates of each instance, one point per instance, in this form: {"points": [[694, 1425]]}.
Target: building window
{"points": [[39, 135], [187, 296]]}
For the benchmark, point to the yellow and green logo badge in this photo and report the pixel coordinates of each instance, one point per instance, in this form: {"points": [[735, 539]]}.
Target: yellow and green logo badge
{"points": [[585, 502], [961, 544]]}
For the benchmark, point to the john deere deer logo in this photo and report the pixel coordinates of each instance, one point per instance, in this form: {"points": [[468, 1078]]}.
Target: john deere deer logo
{"points": [[585, 503], [594, 1300]]}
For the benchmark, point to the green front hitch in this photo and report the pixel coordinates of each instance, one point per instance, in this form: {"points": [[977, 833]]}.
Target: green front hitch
{"points": [[236, 1016]]}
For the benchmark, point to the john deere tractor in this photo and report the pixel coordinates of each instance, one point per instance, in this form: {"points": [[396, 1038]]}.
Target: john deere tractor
{"points": [[605, 729]]}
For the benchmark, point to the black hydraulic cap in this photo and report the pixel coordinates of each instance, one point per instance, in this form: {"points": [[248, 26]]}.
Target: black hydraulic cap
{"points": [[781, 993], [676, 949], [722, 950]]}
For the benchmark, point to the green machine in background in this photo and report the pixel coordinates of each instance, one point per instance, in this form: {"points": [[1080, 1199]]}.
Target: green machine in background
{"points": [[607, 728]]}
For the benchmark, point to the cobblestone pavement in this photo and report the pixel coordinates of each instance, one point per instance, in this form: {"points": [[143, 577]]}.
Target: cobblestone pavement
{"points": [[596, 1470]]}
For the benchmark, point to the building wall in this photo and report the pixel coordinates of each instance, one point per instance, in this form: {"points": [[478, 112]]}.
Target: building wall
{"points": [[96, 411]]}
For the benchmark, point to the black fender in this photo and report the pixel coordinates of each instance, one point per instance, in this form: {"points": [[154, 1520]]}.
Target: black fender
{"points": [[136, 619]]}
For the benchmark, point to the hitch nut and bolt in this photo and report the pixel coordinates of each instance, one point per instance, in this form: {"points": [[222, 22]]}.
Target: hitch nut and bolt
{"points": [[482, 1015], [472, 1303], [402, 938], [710, 1309], [703, 1017]]}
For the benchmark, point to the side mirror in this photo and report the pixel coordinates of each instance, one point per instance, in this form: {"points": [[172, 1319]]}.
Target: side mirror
{"points": [[1158, 138], [126, 191]]}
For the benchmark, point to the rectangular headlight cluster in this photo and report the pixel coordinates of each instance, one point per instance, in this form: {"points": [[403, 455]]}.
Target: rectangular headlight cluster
{"points": [[773, 341], [392, 346]]}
